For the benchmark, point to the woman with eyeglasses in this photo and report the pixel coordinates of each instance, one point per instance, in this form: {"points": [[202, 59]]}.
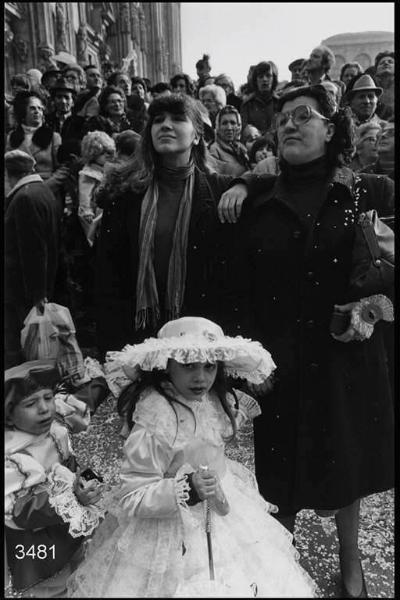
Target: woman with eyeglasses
{"points": [[112, 118], [230, 156], [325, 436]]}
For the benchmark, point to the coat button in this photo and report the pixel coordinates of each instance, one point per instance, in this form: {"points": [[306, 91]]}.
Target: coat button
{"points": [[310, 275], [296, 234]]}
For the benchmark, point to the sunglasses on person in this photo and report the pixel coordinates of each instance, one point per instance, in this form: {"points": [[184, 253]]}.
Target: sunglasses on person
{"points": [[299, 115]]}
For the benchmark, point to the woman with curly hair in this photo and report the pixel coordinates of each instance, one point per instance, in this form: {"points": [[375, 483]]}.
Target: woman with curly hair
{"points": [[350, 70], [97, 149], [213, 97], [325, 436], [112, 118], [181, 83]]}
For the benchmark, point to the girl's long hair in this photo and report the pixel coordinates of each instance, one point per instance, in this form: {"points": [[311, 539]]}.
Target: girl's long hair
{"points": [[154, 379], [136, 175]]}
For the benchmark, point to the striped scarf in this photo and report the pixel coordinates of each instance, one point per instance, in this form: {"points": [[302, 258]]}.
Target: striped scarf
{"points": [[147, 300]]}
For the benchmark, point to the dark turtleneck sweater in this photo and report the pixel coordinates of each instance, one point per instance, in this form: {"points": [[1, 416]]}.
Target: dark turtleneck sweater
{"points": [[171, 184], [305, 187]]}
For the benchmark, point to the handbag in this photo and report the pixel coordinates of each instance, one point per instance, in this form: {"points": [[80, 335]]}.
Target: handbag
{"points": [[373, 256]]}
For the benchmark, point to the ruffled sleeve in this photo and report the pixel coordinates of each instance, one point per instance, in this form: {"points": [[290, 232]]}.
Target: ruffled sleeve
{"points": [[82, 520], [146, 490], [248, 408]]}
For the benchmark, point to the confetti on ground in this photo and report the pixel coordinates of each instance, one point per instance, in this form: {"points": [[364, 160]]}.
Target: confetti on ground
{"points": [[100, 447], [316, 538]]}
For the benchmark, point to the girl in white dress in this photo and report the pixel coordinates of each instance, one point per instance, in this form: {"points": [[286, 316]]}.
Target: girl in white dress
{"points": [[175, 477]]}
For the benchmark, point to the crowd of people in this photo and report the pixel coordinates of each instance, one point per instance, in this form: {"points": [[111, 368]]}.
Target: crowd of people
{"points": [[154, 212]]}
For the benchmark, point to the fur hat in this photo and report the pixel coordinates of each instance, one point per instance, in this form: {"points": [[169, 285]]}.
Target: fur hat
{"points": [[18, 161], [194, 339], [62, 85]]}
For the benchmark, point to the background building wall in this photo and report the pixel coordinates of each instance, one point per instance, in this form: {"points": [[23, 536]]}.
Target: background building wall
{"points": [[359, 47], [143, 38]]}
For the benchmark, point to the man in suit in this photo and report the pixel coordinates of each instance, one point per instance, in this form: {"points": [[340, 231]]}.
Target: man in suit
{"points": [[31, 243]]}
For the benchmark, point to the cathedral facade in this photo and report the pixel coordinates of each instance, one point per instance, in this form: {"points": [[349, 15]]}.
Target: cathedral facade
{"points": [[142, 38]]}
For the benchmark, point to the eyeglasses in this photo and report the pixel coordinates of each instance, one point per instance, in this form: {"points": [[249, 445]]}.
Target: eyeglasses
{"points": [[300, 116]]}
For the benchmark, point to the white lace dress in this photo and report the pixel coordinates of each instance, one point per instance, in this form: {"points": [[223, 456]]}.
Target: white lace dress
{"points": [[152, 544]]}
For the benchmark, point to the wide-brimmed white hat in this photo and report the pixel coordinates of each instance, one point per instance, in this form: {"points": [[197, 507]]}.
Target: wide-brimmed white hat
{"points": [[189, 340]]}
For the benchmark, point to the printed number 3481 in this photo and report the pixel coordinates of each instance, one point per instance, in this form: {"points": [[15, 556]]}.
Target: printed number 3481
{"points": [[40, 552]]}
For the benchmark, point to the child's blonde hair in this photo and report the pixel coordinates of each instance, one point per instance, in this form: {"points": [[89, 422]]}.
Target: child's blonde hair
{"points": [[96, 143]]}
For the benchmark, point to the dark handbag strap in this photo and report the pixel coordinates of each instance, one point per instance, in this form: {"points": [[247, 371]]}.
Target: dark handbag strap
{"points": [[367, 227]]}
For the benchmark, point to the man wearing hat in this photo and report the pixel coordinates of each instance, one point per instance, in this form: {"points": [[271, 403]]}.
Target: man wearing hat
{"points": [[296, 69], [49, 78], [62, 94], [362, 95], [31, 238]]}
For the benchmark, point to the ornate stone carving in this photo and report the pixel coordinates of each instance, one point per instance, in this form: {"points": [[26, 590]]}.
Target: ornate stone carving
{"points": [[130, 63], [125, 17], [61, 27], [104, 51], [8, 33], [46, 59], [82, 43], [135, 24], [21, 47], [143, 29]]}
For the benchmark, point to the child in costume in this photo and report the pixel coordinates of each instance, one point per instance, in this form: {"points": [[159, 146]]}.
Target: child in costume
{"points": [[97, 148], [49, 510], [175, 475]]}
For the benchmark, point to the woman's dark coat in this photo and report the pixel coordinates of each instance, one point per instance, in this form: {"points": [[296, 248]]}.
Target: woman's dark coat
{"points": [[325, 436], [110, 127], [257, 111], [118, 259]]}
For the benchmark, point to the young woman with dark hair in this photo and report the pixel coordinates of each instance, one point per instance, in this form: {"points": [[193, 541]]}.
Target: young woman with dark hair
{"points": [[158, 249]]}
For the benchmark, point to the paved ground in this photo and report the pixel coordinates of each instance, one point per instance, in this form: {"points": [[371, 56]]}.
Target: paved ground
{"points": [[316, 538]]}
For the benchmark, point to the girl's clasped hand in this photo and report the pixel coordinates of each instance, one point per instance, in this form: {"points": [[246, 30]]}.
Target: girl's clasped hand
{"points": [[206, 483]]}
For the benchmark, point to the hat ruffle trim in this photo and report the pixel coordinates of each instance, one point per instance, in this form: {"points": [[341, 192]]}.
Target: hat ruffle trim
{"points": [[243, 358]]}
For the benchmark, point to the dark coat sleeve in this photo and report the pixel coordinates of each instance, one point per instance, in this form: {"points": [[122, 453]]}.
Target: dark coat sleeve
{"points": [[34, 510], [30, 222], [380, 193]]}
